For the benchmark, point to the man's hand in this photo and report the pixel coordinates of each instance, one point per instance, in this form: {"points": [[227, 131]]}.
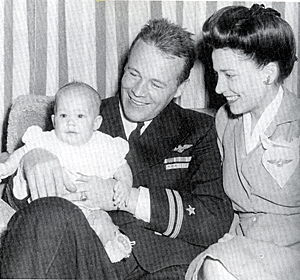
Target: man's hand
{"points": [[96, 193], [44, 174], [93, 192]]}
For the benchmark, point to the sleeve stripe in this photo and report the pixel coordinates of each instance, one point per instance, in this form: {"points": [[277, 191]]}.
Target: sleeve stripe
{"points": [[171, 212], [179, 214]]}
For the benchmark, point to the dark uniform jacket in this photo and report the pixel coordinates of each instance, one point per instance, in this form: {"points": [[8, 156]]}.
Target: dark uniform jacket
{"points": [[177, 159]]}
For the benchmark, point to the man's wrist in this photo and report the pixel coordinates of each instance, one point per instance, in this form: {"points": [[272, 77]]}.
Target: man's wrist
{"points": [[143, 207]]}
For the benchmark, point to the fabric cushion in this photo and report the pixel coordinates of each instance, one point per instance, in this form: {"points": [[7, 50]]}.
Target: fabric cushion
{"points": [[28, 110]]}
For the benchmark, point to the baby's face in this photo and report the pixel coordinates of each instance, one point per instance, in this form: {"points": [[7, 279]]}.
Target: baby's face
{"points": [[75, 118]]}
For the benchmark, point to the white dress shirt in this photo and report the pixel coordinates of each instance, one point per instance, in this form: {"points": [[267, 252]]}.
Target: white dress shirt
{"points": [[143, 208]]}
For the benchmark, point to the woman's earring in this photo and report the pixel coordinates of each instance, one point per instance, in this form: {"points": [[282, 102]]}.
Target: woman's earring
{"points": [[267, 82]]}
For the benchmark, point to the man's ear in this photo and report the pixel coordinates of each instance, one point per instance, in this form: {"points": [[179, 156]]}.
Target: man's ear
{"points": [[180, 90], [97, 122], [53, 120]]}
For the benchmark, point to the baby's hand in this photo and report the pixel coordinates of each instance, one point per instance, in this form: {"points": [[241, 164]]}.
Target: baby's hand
{"points": [[121, 194]]}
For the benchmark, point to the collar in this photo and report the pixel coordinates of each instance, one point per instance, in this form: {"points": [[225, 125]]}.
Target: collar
{"points": [[130, 126], [263, 123]]}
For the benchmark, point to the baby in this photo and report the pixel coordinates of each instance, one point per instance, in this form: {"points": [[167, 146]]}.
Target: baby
{"points": [[81, 150]]}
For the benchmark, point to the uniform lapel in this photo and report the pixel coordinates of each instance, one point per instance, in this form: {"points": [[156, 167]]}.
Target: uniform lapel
{"points": [[163, 134], [239, 142], [112, 121], [287, 112]]}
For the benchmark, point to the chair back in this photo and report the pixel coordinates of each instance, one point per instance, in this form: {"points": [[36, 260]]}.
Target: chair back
{"points": [[28, 110]]}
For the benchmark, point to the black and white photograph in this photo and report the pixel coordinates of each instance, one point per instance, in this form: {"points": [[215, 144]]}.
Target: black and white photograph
{"points": [[152, 140]]}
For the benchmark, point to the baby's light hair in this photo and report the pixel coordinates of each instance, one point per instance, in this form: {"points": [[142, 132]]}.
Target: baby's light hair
{"points": [[93, 94]]}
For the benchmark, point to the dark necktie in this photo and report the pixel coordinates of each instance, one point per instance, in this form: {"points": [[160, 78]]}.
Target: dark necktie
{"points": [[136, 133]]}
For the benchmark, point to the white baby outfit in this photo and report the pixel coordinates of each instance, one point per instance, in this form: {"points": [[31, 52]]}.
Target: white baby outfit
{"points": [[101, 156]]}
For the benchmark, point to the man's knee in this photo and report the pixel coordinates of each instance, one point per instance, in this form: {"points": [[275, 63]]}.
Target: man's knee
{"points": [[45, 230], [44, 216], [52, 205]]}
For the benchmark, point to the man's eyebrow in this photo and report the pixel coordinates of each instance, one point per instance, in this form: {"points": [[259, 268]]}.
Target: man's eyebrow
{"points": [[158, 81], [131, 68], [153, 80]]}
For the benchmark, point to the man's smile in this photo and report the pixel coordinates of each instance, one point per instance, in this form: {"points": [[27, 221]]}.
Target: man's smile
{"points": [[136, 102]]}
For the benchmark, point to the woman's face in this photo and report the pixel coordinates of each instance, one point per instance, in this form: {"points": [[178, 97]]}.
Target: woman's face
{"points": [[241, 82]]}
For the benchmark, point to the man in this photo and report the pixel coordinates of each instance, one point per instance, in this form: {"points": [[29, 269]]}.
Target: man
{"points": [[177, 206]]}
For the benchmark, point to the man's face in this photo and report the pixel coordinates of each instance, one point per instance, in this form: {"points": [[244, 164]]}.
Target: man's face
{"points": [[149, 82]]}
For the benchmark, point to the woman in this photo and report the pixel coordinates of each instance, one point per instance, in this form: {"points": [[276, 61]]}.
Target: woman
{"points": [[253, 51]]}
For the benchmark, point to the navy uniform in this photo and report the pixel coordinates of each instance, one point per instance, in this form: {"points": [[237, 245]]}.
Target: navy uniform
{"points": [[177, 159]]}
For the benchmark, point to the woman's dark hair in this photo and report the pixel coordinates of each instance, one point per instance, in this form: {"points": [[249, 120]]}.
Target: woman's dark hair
{"points": [[259, 33]]}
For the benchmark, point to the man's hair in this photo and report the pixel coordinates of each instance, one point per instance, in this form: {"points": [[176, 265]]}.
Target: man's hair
{"points": [[172, 40], [87, 92], [259, 33]]}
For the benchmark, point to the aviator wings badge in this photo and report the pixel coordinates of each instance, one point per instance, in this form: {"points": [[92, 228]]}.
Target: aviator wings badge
{"points": [[180, 149]]}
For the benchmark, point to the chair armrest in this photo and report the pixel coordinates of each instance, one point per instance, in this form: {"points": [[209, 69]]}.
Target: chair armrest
{"points": [[3, 157], [6, 213]]}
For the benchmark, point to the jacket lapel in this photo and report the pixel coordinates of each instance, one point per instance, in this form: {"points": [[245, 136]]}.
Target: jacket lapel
{"points": [[165, 132], [160, 138], [112, 121], [287, 112], [239, 142]]}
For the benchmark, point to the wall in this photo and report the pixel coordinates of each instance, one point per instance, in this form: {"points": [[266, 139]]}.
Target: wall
{"points": [[46, 43]]}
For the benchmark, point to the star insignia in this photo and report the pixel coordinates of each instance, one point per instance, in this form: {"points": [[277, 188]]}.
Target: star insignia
{"points": [[191, 210], [180, 149]]}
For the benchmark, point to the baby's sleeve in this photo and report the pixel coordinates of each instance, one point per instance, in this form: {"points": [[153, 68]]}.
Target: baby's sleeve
{"points": [[121, 147], [32, 138], [119, 150]]}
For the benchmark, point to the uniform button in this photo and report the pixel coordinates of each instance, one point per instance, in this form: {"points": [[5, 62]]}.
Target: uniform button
{"points": [[250, 167], [261, 256]]}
